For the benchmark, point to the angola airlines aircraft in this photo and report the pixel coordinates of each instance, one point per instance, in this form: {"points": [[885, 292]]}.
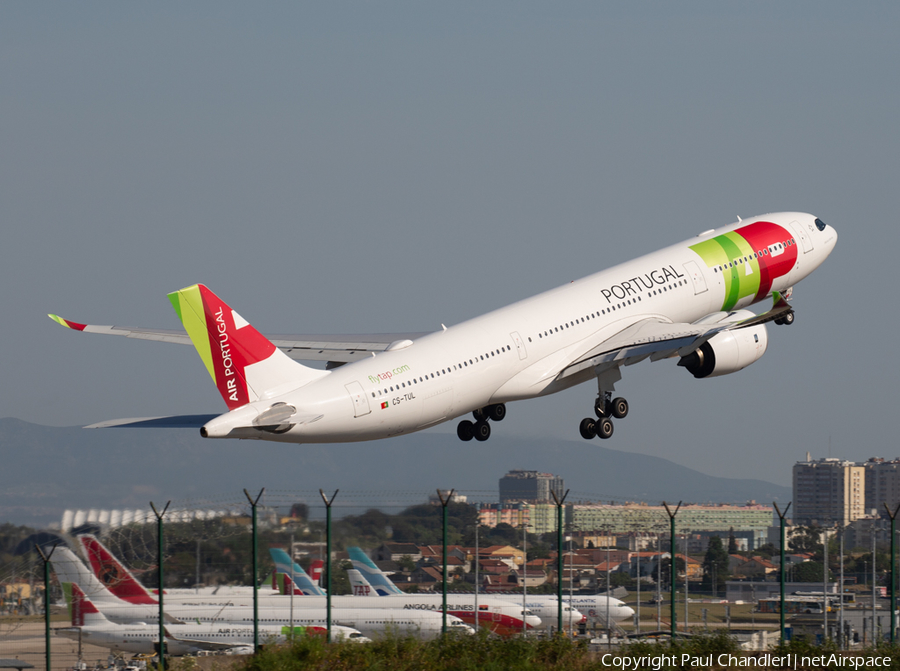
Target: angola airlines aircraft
{"points": [[685, 302]]}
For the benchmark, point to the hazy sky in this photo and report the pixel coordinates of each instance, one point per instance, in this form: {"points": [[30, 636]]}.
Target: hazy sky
{"points": [[367, 167]]}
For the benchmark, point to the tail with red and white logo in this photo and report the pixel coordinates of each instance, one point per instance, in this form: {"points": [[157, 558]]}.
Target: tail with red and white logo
{"points": [[360, 585], [81, 609], [113, 574], [243, 364]]}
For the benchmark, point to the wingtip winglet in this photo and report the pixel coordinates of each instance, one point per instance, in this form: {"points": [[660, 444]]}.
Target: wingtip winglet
{"points": [[68, 324]]}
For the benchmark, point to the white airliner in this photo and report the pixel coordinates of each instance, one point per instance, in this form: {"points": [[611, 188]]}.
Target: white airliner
{"points": [[504, 618], [89, 625], [545, 607], [683, 302]]}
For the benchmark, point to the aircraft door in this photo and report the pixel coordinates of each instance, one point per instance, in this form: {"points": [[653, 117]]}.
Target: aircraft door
{"points": [[805, 239], [360, 402], [697, 279], [520, 345]]}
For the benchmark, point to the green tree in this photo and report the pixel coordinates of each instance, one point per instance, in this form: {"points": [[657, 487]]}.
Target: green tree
{"points": [[406, 563], [732, 542], [808, 571], [715, 564]]}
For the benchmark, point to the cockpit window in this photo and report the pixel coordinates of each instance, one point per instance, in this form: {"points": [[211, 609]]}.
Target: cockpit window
{"points": [[820, 224]]}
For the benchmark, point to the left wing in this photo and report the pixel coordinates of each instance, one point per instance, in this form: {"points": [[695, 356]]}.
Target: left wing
{"points": [[339, 348]]}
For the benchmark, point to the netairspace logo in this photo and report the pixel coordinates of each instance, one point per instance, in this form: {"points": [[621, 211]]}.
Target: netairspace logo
{"points": [[731, 661]]}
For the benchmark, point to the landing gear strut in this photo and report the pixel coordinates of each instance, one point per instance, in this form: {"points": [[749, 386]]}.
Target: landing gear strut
{"points": [[605, 407], [480, 429]]}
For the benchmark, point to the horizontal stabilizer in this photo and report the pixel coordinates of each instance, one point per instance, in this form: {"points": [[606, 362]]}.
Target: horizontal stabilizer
{"points": [[171, 422]]}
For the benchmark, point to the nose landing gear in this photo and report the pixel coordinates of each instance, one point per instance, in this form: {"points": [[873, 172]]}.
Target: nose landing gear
{"points": [[480, 429]]}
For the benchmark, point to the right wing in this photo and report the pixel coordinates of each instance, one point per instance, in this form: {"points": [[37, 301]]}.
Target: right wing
{"points": [[338, 348], [656, 339]]}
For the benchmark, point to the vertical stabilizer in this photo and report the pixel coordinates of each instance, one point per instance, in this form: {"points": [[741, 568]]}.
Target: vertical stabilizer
{"points": [[292, 570], [244, 365], [374, 575], [113, 574], [70, 569]]}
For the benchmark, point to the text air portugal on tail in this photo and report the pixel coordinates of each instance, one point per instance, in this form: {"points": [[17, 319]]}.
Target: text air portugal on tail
{"points": [[244, 365]]}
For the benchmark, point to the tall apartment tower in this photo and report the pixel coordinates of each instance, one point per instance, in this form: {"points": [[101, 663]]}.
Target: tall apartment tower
{"points": [[828, 492], [882, 485], [530, 487]]}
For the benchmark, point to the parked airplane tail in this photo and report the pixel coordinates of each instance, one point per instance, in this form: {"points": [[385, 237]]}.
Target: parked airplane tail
{"points": [[113, 574], [315, 571], [374, 575], [360, 585], [243, 363], [294, 575], [81, 609], [70, 569]]}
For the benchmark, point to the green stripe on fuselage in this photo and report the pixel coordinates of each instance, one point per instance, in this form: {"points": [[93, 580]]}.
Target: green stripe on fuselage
{"points": [[742, 279]]}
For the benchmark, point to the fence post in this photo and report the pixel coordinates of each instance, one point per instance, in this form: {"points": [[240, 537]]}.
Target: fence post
{"points": [[253, 503], [893, 569], [160, 575], [559, 559], [781, 516], [46, 559], [444, 503], [672, 569], [328, 503]]}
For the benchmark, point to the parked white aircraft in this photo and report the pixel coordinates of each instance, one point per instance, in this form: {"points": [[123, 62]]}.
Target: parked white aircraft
{"points": [[545, 607], [90, 626], [685, 302], [504, 618]]}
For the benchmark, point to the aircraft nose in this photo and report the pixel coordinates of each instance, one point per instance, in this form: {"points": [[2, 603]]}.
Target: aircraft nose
{"points": [[627, 612]]}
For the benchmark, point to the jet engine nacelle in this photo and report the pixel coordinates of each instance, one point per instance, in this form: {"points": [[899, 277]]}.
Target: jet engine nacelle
{"points": [[727, 352]]}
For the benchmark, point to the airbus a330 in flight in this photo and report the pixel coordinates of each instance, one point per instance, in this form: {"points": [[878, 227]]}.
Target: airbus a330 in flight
{"points": [[685, 302]]}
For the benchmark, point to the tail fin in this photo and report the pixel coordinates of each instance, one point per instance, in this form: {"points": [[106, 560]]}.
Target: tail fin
{"points": [[70, 569], [360, 585], [290, 569], [374, 575], [114, 576], [81, 609], [243, 364], [315, 570]]}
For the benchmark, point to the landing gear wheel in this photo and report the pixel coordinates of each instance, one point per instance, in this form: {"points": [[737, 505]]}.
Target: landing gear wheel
{"points": [[619, 408], [496, 412], [465, 430], [788, 319], [604, 428], [601, 407], [588, 428], [482, 431], [480, 415]]}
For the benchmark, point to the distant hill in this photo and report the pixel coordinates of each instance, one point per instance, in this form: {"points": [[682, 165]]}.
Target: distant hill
{"points": [[44, 470]]}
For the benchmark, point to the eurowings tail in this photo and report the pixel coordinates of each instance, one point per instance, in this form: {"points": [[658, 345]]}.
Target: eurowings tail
{"points": [[374, 575], [113, 574], [244, 365], [294, 574]]}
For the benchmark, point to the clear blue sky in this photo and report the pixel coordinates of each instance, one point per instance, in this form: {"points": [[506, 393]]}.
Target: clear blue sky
{"points": [[365, 167]]}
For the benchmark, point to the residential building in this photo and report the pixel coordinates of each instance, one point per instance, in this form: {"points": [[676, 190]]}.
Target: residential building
{"points": [[513, 514], [882, 485], [530, 487], [749, 521], [828, 492]]}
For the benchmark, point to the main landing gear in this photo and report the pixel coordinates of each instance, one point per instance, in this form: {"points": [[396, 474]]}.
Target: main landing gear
{"points": [[605, 408], [480, 429], [787, 320]]}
